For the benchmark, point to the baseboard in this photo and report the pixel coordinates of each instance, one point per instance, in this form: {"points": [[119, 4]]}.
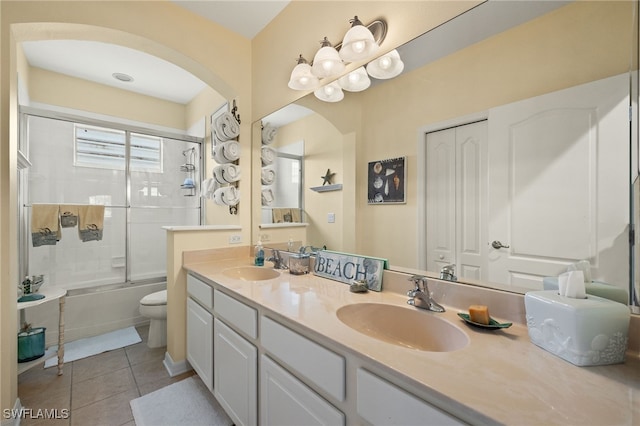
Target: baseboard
{"points": [[175, 368], [12, 417]]}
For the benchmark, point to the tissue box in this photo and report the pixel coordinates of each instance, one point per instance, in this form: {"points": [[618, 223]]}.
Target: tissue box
{"points": [[597, 288], [591, 331]]}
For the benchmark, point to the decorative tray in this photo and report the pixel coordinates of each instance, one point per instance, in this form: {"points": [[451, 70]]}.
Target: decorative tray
{"points": [[493, 324]]}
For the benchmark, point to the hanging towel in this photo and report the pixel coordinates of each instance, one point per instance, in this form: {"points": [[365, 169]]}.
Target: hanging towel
{"points": [[45, 225], [90, 222], [208, 187], [68, 215]]}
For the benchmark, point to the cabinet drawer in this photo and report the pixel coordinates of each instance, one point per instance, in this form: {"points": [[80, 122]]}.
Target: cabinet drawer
{"points": [[241, 316], [200, 291], [380, 402], [316, 363], [285, 400]]}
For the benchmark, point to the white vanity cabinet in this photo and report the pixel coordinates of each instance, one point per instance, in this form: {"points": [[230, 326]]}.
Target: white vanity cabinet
{"points": [[235, 369], [200, 329], [286, 399], [235, 374]]}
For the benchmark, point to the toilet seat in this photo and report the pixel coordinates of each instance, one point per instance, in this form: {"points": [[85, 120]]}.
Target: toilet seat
{"points": [[155, 299]]}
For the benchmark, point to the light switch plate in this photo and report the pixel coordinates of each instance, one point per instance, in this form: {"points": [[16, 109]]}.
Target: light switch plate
{"points": [[331, 218]]}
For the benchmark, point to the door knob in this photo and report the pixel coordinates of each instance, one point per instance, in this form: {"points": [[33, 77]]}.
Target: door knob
{"points": [[498, 245]]}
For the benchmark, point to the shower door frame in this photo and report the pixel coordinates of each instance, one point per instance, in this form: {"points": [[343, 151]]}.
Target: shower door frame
{"points": [[23, 194]]}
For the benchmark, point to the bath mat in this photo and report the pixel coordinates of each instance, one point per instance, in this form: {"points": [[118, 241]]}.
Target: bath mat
{"points": [[83, 348], [187, 402]]}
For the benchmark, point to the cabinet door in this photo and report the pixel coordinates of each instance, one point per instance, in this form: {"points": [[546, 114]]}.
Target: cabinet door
{"points": [[235, 374], [285, 400], [200, 341]]}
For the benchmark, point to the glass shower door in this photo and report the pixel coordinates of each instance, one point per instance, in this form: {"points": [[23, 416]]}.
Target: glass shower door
{"points": [[167, 195]]}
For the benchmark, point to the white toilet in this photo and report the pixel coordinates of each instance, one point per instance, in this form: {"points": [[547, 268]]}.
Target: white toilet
{"points": [[154, 307]]}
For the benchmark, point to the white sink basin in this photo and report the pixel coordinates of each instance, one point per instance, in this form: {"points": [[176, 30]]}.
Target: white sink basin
{"points": [[406, 327], [251, 273]]}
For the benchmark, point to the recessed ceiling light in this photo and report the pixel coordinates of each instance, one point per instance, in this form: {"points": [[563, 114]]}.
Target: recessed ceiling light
{"points": [[122, 77]]}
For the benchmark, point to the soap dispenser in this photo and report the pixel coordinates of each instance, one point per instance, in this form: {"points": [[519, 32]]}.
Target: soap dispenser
{"points": [[259, 252]]}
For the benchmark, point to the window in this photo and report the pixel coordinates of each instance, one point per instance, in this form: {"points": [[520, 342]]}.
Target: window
{"points": [[106, 148]]}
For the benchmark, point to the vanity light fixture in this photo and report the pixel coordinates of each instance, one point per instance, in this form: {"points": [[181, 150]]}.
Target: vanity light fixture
{"points": [[301, 77], [358, 44], [327, 62], [386, 66], [355, 81], [332, 92]]}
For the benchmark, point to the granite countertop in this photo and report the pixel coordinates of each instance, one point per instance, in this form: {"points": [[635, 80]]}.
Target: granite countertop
{"points": [[500, 374]]}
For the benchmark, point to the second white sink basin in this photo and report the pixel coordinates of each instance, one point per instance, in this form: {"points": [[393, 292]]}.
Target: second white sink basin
{"points": [[251, 273], [409, 328]]}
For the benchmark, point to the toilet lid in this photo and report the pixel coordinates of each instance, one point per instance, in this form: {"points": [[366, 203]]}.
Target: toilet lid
{"points": [[155, 299]]}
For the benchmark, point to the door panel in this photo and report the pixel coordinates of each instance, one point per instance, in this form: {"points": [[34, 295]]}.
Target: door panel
{"points": [[552, 176]]}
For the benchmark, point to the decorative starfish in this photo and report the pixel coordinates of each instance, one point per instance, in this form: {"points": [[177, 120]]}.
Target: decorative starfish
{"points": [[327, 178]]}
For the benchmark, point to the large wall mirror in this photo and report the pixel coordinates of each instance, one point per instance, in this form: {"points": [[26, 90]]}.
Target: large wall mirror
{"points": [[556, 72]]}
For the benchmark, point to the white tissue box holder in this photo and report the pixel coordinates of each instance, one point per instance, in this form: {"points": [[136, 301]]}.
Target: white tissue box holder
{"points": [[585, 332]]}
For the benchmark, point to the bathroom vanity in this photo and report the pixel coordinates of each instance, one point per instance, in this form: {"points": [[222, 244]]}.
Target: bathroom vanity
{"points": [[282, 353]]}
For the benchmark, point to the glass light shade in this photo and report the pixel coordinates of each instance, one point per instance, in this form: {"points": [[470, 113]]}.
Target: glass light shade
{"points": [[358, 44], [327, 63], [302, 78], [332, 92], [355, 81], [386, 66]]}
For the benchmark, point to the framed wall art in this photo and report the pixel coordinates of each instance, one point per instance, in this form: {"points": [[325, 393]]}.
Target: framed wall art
{"points": [[387, 181]]}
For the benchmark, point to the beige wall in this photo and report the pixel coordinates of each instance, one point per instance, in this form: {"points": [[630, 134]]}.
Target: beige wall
{"points": [[323, 146], [68, 92], [474, 80], [300, 26]]}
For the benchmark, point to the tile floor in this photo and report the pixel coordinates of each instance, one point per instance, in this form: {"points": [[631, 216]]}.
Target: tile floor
{"points": [[96, 390]]}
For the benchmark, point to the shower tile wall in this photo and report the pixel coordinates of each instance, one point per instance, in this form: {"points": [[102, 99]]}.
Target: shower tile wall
{"points": [[156, 200]]}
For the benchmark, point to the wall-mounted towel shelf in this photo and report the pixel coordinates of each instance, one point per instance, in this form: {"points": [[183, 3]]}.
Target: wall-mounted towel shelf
{"points": [[327, 188]]}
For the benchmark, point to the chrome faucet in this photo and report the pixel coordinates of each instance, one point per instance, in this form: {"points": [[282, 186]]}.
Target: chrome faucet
{"points": [[277, 260], [421, 297], [448, 273]]}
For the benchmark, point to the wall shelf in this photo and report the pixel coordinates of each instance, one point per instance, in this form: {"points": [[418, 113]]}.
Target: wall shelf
{"points": [[327, 188]]}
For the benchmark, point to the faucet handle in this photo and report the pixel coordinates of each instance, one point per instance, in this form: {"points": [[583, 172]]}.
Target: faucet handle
{"points": [[416, 280]]}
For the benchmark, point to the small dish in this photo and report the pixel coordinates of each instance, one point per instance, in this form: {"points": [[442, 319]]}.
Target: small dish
{"points": [[493, 324]]}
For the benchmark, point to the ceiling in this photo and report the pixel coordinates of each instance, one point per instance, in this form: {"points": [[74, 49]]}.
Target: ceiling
{"points": [[150, 74]]}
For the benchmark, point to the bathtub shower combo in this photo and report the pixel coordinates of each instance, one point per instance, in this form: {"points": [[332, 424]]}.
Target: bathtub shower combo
{"points": [[145, 180]]}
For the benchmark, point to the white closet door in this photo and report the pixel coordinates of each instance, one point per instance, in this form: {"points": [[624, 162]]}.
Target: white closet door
{"points": [[456, 188], [554, 170], [441, 202]]}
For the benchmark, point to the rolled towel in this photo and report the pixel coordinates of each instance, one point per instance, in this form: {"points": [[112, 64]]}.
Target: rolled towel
{"points": [[68, 215], [90, 222], [268, 155], [227, 196], [268, 134], [267, 197], [226, 173], [227, 127], [226, 152], [45, 224], [268, 175]]}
